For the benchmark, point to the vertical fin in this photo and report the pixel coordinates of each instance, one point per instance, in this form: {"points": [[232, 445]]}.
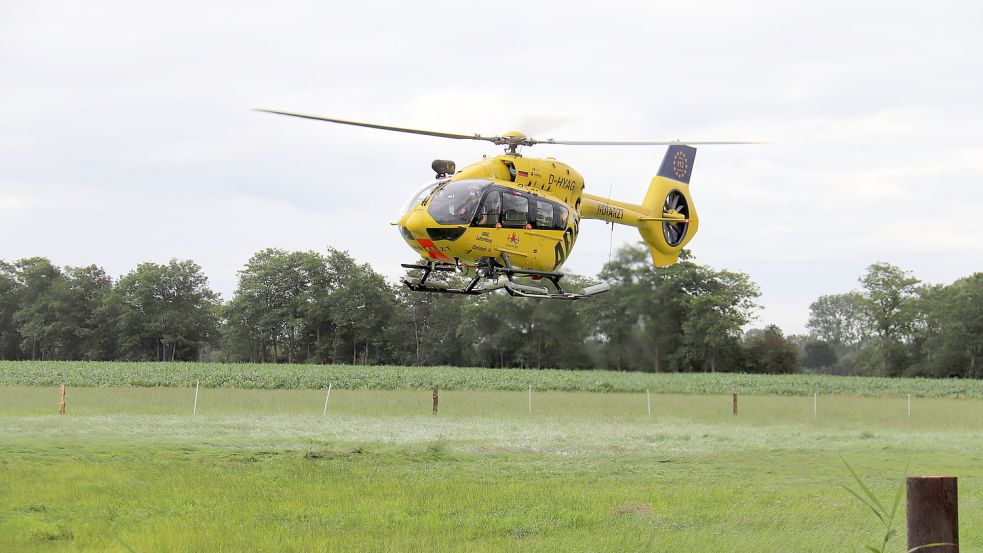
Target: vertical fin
{"points": [[678, 163]]}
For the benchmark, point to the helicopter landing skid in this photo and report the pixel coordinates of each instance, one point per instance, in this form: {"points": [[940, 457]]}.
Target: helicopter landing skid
{"points": [[491, 277]]}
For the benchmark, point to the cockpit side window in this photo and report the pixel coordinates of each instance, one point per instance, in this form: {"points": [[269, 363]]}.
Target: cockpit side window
{"points": [[457, 201]]}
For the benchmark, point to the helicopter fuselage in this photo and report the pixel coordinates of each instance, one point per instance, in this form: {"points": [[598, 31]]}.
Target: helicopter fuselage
{"points": [[526, 208], [531, 209]]}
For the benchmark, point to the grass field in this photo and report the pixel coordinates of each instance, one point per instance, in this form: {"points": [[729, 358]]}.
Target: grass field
{"points": [[130, 469]]}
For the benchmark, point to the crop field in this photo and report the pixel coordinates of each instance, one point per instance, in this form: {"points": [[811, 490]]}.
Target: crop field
{"points": [[132, 469], [216, 375]]}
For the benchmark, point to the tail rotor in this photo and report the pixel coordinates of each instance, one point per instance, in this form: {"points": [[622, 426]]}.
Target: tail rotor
{"points": [[675, 206]]}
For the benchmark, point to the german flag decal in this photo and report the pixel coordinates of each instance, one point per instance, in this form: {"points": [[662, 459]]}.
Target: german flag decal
{"points": [[523, 174]]}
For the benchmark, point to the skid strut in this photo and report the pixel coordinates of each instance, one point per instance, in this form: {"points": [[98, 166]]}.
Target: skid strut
{"points": [[490, 276]]}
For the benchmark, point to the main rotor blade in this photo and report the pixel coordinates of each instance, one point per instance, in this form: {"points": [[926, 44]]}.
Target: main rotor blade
{"points": [[631, 143], [511, 141], [387, 128]]}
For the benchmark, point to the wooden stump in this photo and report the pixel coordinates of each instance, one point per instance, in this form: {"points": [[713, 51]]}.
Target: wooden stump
{"points": [[735, 404], [435, 400], [933, 513], [61, 404]]}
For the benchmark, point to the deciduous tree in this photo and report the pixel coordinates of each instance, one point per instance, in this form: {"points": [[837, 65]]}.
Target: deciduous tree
{"points": [[165, 312]]}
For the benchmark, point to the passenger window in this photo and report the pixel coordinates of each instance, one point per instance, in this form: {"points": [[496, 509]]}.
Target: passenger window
{"points": [[490, 211], [544, 215], [515, 210], [560, 217], [550, 216]]}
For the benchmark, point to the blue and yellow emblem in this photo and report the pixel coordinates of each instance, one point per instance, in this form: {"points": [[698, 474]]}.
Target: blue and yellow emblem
{"points": [[678, 163]]}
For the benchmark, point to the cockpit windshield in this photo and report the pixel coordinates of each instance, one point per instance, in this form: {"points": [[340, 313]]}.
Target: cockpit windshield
{"points": [[456, 202], [420, 195]]}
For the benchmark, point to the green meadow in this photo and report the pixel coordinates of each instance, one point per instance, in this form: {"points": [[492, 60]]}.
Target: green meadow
{"points": [[132, 469]]}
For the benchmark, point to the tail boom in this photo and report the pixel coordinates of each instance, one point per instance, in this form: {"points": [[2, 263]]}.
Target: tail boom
{"points": [[666, 218]]}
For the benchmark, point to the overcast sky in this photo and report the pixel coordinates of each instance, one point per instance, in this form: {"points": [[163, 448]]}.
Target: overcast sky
{"points": [[126, 133]]}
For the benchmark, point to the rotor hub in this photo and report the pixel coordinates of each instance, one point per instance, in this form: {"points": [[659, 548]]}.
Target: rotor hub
{"points": [[512, 140]]}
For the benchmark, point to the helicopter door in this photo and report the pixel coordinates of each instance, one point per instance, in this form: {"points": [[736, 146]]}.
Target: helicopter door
{"points": [[490, 211], [515, 210]]}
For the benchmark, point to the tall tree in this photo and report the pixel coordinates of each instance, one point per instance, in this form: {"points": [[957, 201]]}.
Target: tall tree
{"points": [[683, 317], [36, 318], [643, 316], [81, 329], [273, 302], [889, 298], [10, 338], [964, 323], [718, 310], [839, 319], [950, 333], [165, 312], [361, 307]]}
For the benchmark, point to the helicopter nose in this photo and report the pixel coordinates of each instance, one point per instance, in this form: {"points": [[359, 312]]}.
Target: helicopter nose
{"points": [[415, 224]]}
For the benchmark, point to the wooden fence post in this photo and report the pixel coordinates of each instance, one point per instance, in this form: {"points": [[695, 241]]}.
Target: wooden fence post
{"points": [[434, 400], [735, 404], [61, 404], [933, 513]]}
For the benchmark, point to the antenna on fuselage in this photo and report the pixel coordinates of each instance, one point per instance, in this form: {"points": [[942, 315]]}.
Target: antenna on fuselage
{"points": [[611, 239]]}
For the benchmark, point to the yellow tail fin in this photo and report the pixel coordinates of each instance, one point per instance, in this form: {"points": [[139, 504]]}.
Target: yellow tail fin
{"points": [[667, 218]]}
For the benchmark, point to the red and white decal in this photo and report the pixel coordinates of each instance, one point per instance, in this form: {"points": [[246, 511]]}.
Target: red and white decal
{"points": [[432, 250]]}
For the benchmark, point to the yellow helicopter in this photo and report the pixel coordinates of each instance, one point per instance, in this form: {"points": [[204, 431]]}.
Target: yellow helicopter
{"points": [[512, 216]]}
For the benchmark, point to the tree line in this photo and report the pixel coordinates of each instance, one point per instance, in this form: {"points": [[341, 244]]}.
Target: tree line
{"points": [[158, 312], [895, 325], [313, 307]]}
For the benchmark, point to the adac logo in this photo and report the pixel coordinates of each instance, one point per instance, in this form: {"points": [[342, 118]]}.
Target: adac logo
{"points": [[680, 165], [514, 239]]}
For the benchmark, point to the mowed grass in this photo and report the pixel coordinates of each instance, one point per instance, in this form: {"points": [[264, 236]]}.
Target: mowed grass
{"points": [[130, 469]]}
